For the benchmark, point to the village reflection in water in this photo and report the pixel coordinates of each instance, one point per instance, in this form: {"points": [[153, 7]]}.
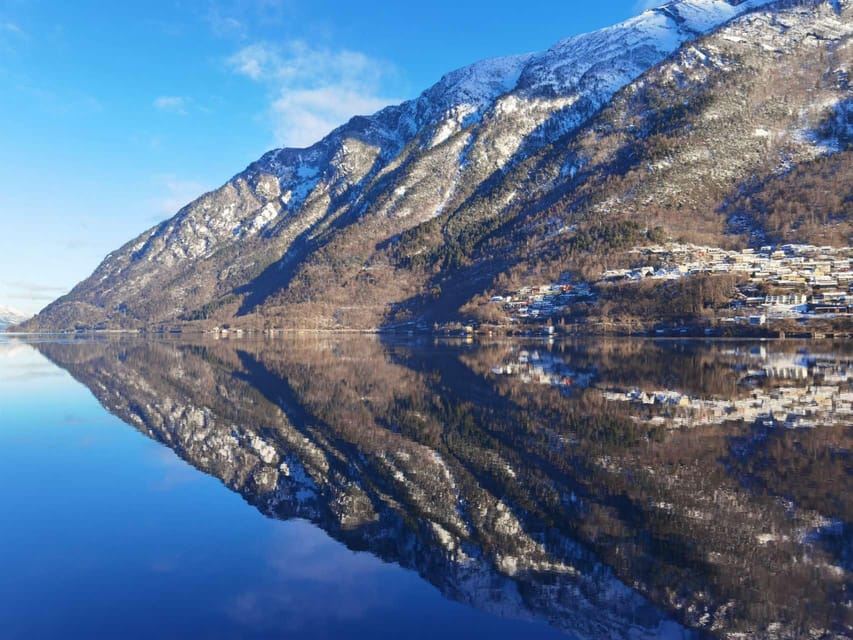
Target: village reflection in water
{"points": [[794, 390], [609, 488]]}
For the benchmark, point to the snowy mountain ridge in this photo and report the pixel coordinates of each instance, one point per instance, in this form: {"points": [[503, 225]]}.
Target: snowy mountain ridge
{"points": [[9, 316], [390, 172]]}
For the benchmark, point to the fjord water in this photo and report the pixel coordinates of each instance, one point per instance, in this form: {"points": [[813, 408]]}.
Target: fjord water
{"points": [[351, 487]]}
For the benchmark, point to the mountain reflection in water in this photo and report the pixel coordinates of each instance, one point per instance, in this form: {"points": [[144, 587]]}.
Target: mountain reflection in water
{"points": [[610, 488]]}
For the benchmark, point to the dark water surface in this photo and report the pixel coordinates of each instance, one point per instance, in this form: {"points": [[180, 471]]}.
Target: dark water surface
{"points": [[350, 487]]}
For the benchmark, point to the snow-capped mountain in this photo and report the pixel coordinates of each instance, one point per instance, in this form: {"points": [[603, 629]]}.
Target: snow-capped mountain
{"points": [[9, 316], [313, 236]]}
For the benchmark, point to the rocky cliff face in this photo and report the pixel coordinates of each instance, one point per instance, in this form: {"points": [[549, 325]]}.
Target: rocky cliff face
{"points": [[363, 227]]}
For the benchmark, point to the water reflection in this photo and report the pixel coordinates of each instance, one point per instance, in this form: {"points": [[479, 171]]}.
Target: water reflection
{"points": [[612, 489], [799, 389]]}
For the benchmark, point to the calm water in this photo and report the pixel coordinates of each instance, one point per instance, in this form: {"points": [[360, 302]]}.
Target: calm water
{"points": [[349, 487]]}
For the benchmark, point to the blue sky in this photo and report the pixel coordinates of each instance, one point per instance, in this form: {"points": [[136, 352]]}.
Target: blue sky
{"points": [[113, 115]]}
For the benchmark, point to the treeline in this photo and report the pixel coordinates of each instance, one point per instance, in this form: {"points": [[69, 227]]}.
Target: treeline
{"points": [[813, 202], [685, 299], [614, 236]]}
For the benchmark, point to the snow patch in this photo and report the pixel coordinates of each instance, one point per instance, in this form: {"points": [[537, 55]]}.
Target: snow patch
{"points": [[307, 171], [456, 121], [267, 215]]}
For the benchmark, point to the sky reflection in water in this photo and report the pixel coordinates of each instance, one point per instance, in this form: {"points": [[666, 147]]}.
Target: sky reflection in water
{"points": [[109, 534]]}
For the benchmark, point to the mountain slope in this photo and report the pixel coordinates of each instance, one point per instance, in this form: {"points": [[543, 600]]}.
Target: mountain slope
{"points": [[719, 145], [311, 237]]}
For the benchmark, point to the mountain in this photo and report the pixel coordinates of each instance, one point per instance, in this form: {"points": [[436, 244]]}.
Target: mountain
{"points": [[9, 316], [689, 117]]}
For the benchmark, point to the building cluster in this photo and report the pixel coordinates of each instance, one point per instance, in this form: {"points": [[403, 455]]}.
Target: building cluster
{"points": [[543, 301], [797, 280]]}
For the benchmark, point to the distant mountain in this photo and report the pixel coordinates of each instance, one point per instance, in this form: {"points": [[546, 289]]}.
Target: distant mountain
{"points": [[10, 317], [691, 118]]}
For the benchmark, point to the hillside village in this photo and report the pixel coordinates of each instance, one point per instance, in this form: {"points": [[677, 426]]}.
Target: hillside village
{"points": [[797, 281]]}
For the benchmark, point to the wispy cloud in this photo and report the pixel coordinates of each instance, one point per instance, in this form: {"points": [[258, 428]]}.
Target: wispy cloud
{"points": [[645, 5], [312, 90], [303, 117], [175, 194], [180, 105], [28, 296], [12, 36], [173, 104], [224, 26], [26, 290], [11, 27], [257, 61], [236, 18]]}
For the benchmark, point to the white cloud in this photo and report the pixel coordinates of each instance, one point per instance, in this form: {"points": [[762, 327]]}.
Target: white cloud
{"points": [[312, 90], [303, 117], [256, 61], [174, 104]]}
